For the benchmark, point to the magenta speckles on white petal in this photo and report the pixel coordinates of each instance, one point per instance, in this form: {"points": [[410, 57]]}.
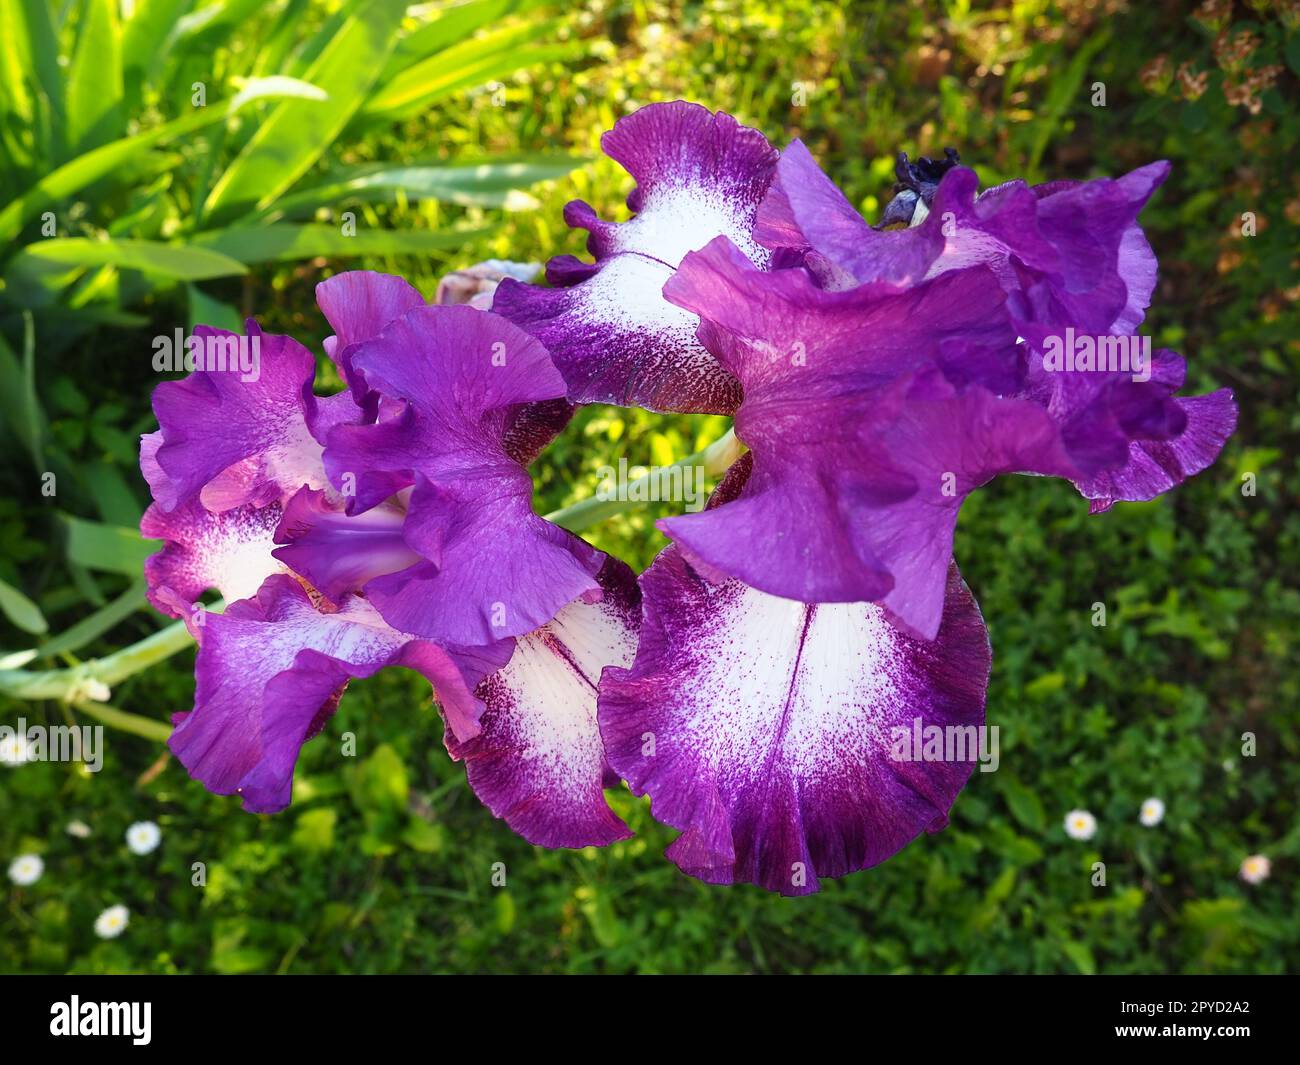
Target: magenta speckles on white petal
{"points": [[765, 728], [539, 763], [230, 552], [699, 176]]}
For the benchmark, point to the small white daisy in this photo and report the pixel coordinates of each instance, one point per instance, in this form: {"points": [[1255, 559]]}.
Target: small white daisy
{"points": [[26, 869], [13, 750], [78, 829], [1255, 869], [1153, 812], [1079, 824], [112, 922], [142, 837]]}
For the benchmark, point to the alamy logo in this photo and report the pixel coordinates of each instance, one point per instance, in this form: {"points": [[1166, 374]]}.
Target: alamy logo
{"points": [[214, 352], [654, 484], [103, 1018], [920, 742], [1071, 353], [53, 743]]}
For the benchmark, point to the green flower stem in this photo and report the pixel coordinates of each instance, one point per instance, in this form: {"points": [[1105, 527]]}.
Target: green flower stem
{"points": [[71, 684], [120, 719], [715, 459]]}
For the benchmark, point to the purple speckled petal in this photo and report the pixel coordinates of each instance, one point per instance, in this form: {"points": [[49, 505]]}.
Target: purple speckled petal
{"points": [[229, 551], [539, 763], [491, 567], [531, 427], [339, 552], [765, 729], [269, 676], [613, 336]]}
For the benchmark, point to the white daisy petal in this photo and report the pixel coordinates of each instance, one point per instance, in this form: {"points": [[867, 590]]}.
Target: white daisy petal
{"points": [[26, 869], [1080, 824], [1152, 813], [1256, 869], [143, 836], [112, 922]]}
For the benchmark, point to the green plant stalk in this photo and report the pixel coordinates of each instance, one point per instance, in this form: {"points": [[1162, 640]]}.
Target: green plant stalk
{"points": [[63, 683], [715, 459], [69, 684], [146, 727]]}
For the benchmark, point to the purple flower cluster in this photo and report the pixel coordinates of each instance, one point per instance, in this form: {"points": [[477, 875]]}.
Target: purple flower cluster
{"points": [[753, 679]]}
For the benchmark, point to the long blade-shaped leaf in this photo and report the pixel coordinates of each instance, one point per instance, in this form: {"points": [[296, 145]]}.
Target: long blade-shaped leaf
{"points": [[452, 26], [299, 131], [95, 81], [145, 31], [493, 183], [279, 242], [106, 547], [178, 261], [18, 404], [30, 32], [471, 62], [76, 175], [21, 610], [95, 625]]}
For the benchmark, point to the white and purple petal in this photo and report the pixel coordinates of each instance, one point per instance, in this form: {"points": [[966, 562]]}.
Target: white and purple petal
{"points": [[234, 441], [613, 336], [270, 672], [539, 763], [767, 729], [230, 551]]}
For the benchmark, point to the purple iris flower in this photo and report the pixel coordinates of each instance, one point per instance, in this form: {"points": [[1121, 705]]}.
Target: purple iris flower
{"points": [[1069, 256], [390, 524], [757, 680]]}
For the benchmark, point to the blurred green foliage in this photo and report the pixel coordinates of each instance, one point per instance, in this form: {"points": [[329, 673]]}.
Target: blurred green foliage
{"points": [[385, 862]]}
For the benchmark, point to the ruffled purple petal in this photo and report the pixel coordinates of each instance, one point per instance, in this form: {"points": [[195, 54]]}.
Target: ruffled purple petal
{"points": [[765, 729], [1070, 254], [538, 762], [805, 212], [868, 513], [863, 450], [251, 437], [699, 175], [1155, 466], [269, 676], [491, 568]]}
